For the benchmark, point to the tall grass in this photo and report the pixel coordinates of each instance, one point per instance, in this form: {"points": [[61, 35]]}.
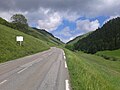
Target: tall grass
{"points": [[87, 73]]}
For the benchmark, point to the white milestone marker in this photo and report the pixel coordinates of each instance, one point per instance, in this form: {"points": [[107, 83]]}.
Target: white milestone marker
{"points": [[19, 39]]}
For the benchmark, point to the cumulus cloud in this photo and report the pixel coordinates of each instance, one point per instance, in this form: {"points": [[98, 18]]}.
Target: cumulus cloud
{"points": [[64, 34], [67, 34], [87, 25], [50, 22]]}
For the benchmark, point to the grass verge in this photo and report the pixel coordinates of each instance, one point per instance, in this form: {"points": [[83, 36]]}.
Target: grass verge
{"points": [[90, 72]]}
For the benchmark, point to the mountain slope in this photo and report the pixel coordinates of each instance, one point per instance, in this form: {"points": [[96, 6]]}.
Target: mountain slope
{"points": [[48, 36], [104, 38], [37, 33], [10, 49]]}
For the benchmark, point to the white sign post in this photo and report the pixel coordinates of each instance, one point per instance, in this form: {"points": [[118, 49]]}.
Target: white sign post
{"points": [[19, 39]]}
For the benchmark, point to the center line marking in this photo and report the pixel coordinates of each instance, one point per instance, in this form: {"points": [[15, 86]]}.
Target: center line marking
{"points": [[65, 64], [67, 84], [3, 82], [22, 70]]}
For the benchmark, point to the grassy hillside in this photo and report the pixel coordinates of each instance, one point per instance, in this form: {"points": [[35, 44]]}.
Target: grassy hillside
{"points": [[111, 55], [10, 49], [48, 37], [37, 33], [91, 72], [41, 36]]}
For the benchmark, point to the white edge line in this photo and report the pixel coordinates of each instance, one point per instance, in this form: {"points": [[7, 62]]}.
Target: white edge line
{"points": [[64, 57], [65, 64], [3, 82], [67, 84], [22, 70]]}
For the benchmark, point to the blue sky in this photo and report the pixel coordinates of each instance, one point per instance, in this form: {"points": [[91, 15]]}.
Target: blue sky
{"points": [[65, 19]]}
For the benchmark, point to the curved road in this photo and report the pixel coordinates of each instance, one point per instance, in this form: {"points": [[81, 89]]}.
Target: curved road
{"points": [[42, 71]]}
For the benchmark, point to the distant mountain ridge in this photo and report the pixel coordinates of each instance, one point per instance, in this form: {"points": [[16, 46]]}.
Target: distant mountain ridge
{"points": [[105, 38]]}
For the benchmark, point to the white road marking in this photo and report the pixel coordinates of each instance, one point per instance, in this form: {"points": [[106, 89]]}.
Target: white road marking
{"points": [[22, 70], [63, 52], [64, 57], [3, 82], [65, 64], [67, 84]]}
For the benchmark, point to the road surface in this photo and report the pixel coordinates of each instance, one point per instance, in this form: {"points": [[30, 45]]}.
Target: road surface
{"points": [[42, 71]]}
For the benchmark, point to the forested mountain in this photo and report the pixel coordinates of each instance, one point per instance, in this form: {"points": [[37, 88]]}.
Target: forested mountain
{"points": [[105, 38]]}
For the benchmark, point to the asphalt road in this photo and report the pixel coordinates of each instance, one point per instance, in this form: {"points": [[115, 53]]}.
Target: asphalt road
{"points": [[42, 71]]}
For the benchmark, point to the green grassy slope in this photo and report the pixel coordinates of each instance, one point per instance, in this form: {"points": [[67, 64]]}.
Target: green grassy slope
{"points": [[10, 49], [49, 37], [50, 40], [91, 72], [115, 54], [37, 33]]}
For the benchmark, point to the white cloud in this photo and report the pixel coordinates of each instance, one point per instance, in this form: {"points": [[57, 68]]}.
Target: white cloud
{"points": [[50, 21], [71, 16], [87, 25], [53, 19], [66, 32]]}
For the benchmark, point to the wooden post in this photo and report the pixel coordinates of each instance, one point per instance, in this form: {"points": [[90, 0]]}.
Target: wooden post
{"points": [[20, 43]]}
